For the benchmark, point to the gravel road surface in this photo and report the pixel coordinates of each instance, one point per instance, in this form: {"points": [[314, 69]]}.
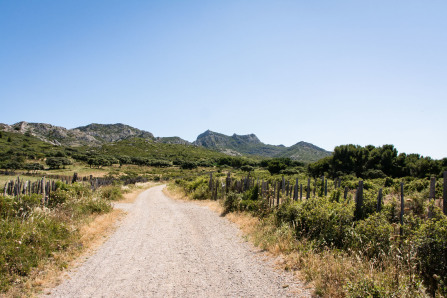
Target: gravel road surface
{"points": [[170, 248]]}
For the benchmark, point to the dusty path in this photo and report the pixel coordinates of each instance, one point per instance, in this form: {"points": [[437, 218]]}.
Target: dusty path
{"points": [[168, 248]]}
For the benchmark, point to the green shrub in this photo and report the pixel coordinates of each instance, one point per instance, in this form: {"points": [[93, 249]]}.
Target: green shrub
{"points": [[188, 165], [201, 192], [57, 197], [251, 194], [25, 205], [93, 205], [372, 236], [231, 202], [7, 207], [431, 248], [319, 219], [111, 193], [365, 288]]}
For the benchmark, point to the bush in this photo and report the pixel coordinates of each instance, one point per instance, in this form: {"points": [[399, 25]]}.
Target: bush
{"points": [[365, 288], [431, 249], [231, 202], [372, 236], [188, 165], [57, 197], [201, 192], [111, 193], [319, 219], [57, 162]]}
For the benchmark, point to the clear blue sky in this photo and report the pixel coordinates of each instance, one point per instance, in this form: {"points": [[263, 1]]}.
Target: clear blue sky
{"points": [[326, 72]]}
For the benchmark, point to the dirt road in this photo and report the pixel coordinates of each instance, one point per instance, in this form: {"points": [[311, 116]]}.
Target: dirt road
{"points": [[169, 248]]}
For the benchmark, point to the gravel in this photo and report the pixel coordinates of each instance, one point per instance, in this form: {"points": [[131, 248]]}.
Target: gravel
{"points": [[169, 248]]}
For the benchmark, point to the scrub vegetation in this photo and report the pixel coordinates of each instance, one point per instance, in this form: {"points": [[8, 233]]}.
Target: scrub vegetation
{"points": [[341, 253]]}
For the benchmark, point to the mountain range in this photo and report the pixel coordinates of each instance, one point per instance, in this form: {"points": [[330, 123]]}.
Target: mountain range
{"points": [[100, 134]]}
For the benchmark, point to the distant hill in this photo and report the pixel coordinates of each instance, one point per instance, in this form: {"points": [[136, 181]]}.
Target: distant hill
{"points": [[251, 145], [90, 135], [102, 134], [172, 140], [55, 135], [107, 133]]}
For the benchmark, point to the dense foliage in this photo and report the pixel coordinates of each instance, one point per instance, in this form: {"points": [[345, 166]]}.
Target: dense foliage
{"points": [[376, 162]]}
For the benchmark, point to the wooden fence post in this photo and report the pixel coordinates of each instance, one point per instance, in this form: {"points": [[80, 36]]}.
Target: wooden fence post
{"points": [[325, 188], [301, 192], [75, 178], [295, 195], [227, 183], [402, 207], [308, 189], [379, 201], [444, 194], [210, 183], [277, 197], [359, 201], [432, 195], [283, 185], [345, 195], [274, 194], [432, 188], [43, 190]]}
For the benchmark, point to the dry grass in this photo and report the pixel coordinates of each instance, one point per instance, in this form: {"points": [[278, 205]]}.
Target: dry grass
{"points": [[130, 193], [93, 233], [177, 193]]}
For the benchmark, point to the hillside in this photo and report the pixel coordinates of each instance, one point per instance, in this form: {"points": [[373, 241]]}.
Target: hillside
{"points": [[55, 135], [251, 145], [107, 133], [143, 148], [304, 151], [96, 135], [89, 135]]}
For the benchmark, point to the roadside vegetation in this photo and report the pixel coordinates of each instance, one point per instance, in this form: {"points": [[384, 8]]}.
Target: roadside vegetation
{"points": [[33, 232], [339, 253]]}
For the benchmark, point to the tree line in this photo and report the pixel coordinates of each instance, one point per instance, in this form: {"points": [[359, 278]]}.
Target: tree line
{"points": [[376, 162]]}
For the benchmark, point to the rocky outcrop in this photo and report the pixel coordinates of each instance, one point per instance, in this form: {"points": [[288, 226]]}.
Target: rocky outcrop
{"points": [[107, 133]]}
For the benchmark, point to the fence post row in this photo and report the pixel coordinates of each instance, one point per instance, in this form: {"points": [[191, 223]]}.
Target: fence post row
{"points": [[279, 190]]}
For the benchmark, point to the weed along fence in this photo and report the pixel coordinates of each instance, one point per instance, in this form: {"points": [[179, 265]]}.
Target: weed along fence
{"points": [[277, 192], [47, 184]]}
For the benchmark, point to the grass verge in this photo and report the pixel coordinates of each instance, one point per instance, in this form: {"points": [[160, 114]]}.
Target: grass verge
{"points": [[38, 242]]}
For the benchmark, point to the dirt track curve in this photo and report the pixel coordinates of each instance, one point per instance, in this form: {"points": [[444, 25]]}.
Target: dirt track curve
{"points": [[169, 248]]}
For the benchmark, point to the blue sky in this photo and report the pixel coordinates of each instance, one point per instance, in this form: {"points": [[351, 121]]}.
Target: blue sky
{"points": [[325, 72]]}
